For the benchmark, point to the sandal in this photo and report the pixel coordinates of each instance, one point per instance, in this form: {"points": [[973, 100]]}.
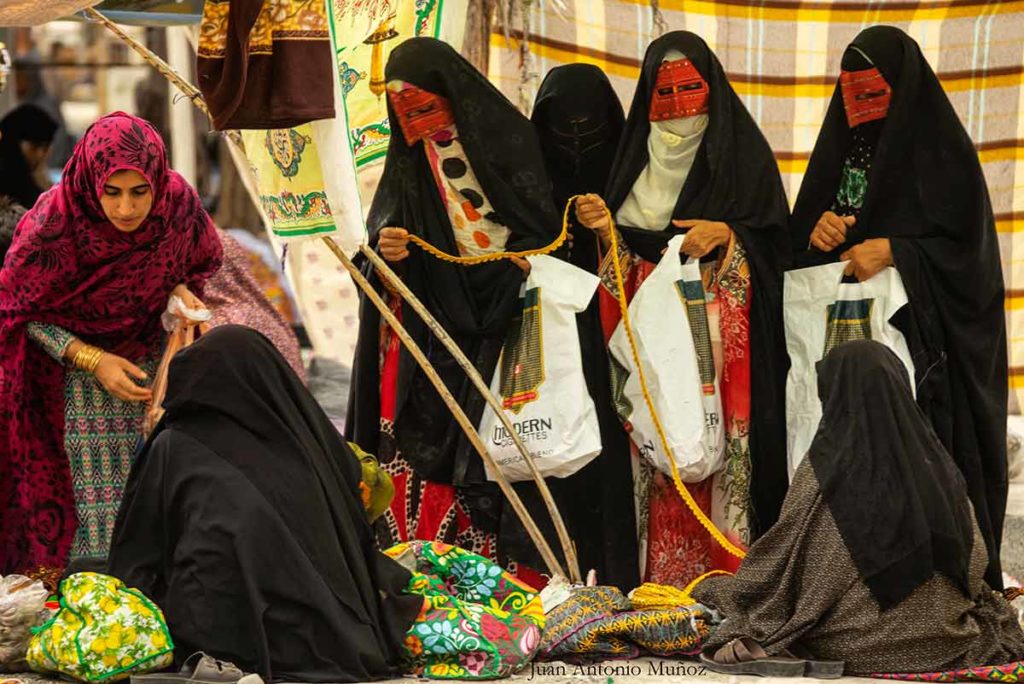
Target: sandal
{"points": [[199, 669], [744, 656]]}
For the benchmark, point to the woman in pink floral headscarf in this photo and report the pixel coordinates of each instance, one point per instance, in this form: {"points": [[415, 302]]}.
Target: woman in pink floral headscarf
{"points": [[84, 283]]}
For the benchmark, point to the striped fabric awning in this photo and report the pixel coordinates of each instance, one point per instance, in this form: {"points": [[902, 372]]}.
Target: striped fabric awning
{"points": [[782, 57]]}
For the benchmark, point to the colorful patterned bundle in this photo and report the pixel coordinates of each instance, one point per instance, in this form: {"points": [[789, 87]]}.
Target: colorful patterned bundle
{"points": [[477, 621], [103, 632], [598, 623]]}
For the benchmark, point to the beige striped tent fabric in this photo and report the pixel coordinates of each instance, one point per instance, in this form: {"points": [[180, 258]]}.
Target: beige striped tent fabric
{"points": [[782, 57]]}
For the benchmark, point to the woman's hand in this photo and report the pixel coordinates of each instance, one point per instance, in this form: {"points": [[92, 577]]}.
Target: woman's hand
{"points": [[116, 373], [188, 300], [703, 237], [868, 258], [592, 213], [393, 244], [830, 231], [522, 264]]}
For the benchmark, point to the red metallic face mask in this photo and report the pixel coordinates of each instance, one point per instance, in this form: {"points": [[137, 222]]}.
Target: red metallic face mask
{"points": [[866, 96], [679, 91], [420, 113]]}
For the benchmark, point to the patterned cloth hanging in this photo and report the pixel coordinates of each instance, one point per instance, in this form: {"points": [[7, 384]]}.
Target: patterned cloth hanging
{"points": [[265, 64]]}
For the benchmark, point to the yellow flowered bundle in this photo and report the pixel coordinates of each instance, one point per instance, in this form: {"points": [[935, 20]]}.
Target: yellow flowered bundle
{"points": [[103, 632]]}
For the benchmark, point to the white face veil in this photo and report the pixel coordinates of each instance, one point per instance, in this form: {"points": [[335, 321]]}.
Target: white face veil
{"points": [[671, 150]]}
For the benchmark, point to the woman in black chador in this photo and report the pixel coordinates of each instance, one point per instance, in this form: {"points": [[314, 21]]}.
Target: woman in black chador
{"points": [[894, 180]]}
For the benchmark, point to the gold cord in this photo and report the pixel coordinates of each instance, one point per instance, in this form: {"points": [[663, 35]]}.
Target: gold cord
{"points": [[680, 487], [624, 308], [495, 256], [650, 596]]}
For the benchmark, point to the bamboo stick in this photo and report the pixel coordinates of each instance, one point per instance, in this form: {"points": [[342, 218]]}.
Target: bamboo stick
{"points": [[543, 547], [460, 416], [485, 391]]}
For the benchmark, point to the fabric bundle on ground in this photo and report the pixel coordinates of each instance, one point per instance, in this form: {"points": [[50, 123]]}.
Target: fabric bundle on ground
{"points": [[477, 621], [103, 631], [599, 623]]}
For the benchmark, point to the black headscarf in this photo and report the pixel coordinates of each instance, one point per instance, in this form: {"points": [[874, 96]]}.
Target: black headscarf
{"points": [[24, 123], [579, 122], [579, 119], [734, 179], [898, 500], [475, 303], [927, 194], [247, 491]]}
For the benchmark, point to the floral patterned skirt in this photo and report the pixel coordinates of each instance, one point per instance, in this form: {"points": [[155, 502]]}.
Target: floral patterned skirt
{"points": [[477, 621]]}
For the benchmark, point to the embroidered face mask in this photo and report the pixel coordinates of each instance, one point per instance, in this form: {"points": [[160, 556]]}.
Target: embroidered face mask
{"points": [[679, 91], [420, 113], [866, 96]]}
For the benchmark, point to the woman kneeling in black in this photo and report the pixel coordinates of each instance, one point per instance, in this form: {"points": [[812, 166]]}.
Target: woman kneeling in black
{"points": [[243, 521]]}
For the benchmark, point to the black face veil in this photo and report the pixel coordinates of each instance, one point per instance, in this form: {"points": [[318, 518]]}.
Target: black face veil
{"points": [[579, 122]]}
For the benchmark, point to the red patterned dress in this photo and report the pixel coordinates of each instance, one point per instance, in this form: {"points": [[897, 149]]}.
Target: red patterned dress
{"points": [[674, 547], [424, 510]]}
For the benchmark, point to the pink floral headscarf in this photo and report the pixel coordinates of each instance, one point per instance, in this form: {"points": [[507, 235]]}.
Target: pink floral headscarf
{"points": [[69, 266]]}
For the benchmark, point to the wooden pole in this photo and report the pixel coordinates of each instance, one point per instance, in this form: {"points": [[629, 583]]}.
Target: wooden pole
{"points": [[460, 416], [517, 505], [485, 391]]}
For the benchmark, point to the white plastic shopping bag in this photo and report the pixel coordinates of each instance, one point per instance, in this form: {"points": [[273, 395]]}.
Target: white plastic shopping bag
{"points": [[820, 311], [670, 324], [539, 378]]}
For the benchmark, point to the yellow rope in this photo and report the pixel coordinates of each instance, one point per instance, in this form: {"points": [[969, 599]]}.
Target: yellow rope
{"points": [[711, 573], [495, 256], [624, 307], [650, 596], [683, 491]]}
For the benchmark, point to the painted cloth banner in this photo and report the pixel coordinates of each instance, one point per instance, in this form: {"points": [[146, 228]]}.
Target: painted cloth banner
{"points": [[782, 58], [355, 143], [362, 45], [305, 178], [290, 181]]}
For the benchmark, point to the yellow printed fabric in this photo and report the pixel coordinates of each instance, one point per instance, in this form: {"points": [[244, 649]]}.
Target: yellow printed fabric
{"points": [[102, 632], [290, 181], [782, 57], [365, 32]]}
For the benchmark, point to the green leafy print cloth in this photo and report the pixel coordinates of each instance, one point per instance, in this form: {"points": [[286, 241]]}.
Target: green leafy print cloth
{"points": [[477, 621], [103, 632]]}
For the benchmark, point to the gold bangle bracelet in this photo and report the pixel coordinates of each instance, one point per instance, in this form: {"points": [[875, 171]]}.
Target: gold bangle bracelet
{"points": [[88, 358], [94, 362]]}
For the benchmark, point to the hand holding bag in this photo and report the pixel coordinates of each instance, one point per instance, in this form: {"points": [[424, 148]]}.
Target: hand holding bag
{"points": [[670, 325]]}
